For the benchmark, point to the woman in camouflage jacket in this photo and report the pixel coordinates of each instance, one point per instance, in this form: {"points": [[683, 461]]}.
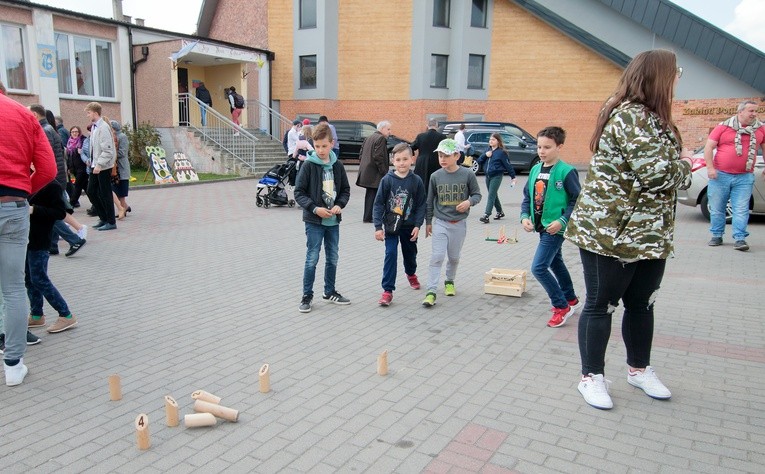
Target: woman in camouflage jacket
{"points": [[624, 220]]}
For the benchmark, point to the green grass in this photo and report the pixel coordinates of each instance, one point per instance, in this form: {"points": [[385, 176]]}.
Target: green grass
{"points": [[140, 173]]}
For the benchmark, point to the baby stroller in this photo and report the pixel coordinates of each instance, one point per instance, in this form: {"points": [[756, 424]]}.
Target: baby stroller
{"points": [[272, 187]]}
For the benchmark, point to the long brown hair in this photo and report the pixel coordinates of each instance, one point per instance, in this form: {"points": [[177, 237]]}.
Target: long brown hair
{"points": [[500, 143], [649, 79]]}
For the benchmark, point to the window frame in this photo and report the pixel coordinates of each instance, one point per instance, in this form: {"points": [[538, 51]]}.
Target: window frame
{"points": [[24, 59], [485, 15], [95, 71], [446, 7], [434, 84], [304, 85], [482, 57], [302, 26]]}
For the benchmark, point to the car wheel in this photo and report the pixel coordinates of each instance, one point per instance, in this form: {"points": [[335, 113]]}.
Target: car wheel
{"points": [[704, 203], [533, 163], [475, 167]]}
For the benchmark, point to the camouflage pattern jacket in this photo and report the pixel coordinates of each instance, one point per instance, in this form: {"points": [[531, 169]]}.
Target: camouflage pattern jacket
{"points": [[627, 206]]}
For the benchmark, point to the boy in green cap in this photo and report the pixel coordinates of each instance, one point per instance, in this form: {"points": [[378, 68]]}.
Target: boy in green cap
{"points": [[452, 191]]}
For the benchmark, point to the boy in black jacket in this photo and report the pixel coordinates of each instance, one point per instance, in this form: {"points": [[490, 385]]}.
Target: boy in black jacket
{"points": [[45, 208], [401, 196], [322, 190]]}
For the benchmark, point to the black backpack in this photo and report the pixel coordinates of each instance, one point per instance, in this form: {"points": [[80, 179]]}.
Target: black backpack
{"points": [[238, 101]]}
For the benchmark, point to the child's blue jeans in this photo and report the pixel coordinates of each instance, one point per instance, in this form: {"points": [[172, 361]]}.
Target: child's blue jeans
{"points": [[39, 285], [550, 271], [408, 252], [315, 234]]}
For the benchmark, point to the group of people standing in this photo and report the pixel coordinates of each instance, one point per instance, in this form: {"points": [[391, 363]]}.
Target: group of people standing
{"points": [[36, 207], [622, 218]]}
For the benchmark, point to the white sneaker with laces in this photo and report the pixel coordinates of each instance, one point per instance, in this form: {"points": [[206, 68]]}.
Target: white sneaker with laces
{"points": [[594, 389], [649, 383], [83, 233], [14, 375]]}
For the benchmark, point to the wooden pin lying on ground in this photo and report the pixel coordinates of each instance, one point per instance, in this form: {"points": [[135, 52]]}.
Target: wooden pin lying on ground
{"points": [[205, 397], [197, 420], [171, 411], [265, 379], [115, 388], [142, 431], [220, 411], [382, 363]]}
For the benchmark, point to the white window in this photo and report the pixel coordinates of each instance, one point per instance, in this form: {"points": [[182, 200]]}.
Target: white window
{"points": [[85, 66], [307, 14], [14, 70]]}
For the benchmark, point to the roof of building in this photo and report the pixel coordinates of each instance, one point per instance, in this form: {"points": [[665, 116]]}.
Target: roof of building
{"points": [[674, 24], [28, 4]]}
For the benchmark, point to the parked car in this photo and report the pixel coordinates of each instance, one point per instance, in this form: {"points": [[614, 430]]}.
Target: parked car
{"points": [[696, 195], [352, 133], [522, 155], [450, 128]]}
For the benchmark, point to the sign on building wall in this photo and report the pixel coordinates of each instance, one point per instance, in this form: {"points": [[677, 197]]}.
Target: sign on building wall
{"points": [[46, 58]]}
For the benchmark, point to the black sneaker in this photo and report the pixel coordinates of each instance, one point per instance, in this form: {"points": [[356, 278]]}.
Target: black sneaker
{"points": [[336, 298], [32, 339], [499, 216], [2, 343], [715, 242], [484, 219], [91, 212], [305, 304], [53, 251], [741, 245], [74, 248]]}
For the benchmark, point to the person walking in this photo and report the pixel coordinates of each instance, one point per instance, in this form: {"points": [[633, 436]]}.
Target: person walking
{"points": [[24, 147], [203, 95], [624, 220], [103, 156]]}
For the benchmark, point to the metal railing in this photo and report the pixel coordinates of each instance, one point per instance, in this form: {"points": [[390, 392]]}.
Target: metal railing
{"points": [[216, 128], [266, 119]]}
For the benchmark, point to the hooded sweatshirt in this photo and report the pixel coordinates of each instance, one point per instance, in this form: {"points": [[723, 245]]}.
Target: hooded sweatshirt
{"points": [[321, 184]]}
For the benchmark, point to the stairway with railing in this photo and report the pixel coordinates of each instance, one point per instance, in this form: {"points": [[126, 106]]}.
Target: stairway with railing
{"points": [[253, 149]]}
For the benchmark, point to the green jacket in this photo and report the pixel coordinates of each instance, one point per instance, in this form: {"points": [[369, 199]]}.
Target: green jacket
{"points": [[627, 205], [560, 190]]}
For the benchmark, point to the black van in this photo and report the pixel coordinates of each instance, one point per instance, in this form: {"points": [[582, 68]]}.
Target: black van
{"points": [[352, 133], [450, 128]]}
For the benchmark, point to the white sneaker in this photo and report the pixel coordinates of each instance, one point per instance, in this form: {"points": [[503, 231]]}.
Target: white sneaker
{"points": [[594, 389], [83, 233], [649, 383], [15, 375]]}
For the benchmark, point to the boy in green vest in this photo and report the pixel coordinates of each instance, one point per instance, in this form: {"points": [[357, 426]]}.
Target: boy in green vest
{"points": [[548, 200]]}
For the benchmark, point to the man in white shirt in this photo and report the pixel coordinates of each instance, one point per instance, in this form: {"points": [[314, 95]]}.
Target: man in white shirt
{"points": [[462, 146]]}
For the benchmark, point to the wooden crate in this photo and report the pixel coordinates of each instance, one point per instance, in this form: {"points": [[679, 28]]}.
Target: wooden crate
{"points": [[501, 281]]}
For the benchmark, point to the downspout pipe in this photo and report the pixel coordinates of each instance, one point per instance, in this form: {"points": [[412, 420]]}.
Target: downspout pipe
{"points": [[133, 68]]}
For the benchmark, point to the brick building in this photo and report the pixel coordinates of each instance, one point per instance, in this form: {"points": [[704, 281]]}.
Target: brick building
{"points": [[534, 63]]}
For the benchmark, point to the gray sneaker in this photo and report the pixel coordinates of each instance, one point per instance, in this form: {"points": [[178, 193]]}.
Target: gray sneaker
{"points": [[741, 245], [715, 242], [305, 304], [336, 298]]}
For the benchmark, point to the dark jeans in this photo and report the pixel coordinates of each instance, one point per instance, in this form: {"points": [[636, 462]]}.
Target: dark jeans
{"points": [[39, 285], [408, 252], [100, 194], [550, 270], [609, 280], [315, 234], [369, 203]]}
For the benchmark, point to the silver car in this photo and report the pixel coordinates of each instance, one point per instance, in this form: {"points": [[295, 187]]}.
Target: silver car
{"points": [[696, 195]]}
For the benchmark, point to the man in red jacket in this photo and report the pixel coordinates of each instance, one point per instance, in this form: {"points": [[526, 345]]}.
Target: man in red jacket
{"points": [[24, 147]]}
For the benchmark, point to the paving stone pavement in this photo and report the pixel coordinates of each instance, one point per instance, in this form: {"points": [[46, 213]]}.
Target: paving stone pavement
{"points": [[198, 288]]}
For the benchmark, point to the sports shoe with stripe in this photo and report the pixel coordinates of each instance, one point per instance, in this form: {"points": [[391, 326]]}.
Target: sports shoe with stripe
{"points": [[336, 298]]}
